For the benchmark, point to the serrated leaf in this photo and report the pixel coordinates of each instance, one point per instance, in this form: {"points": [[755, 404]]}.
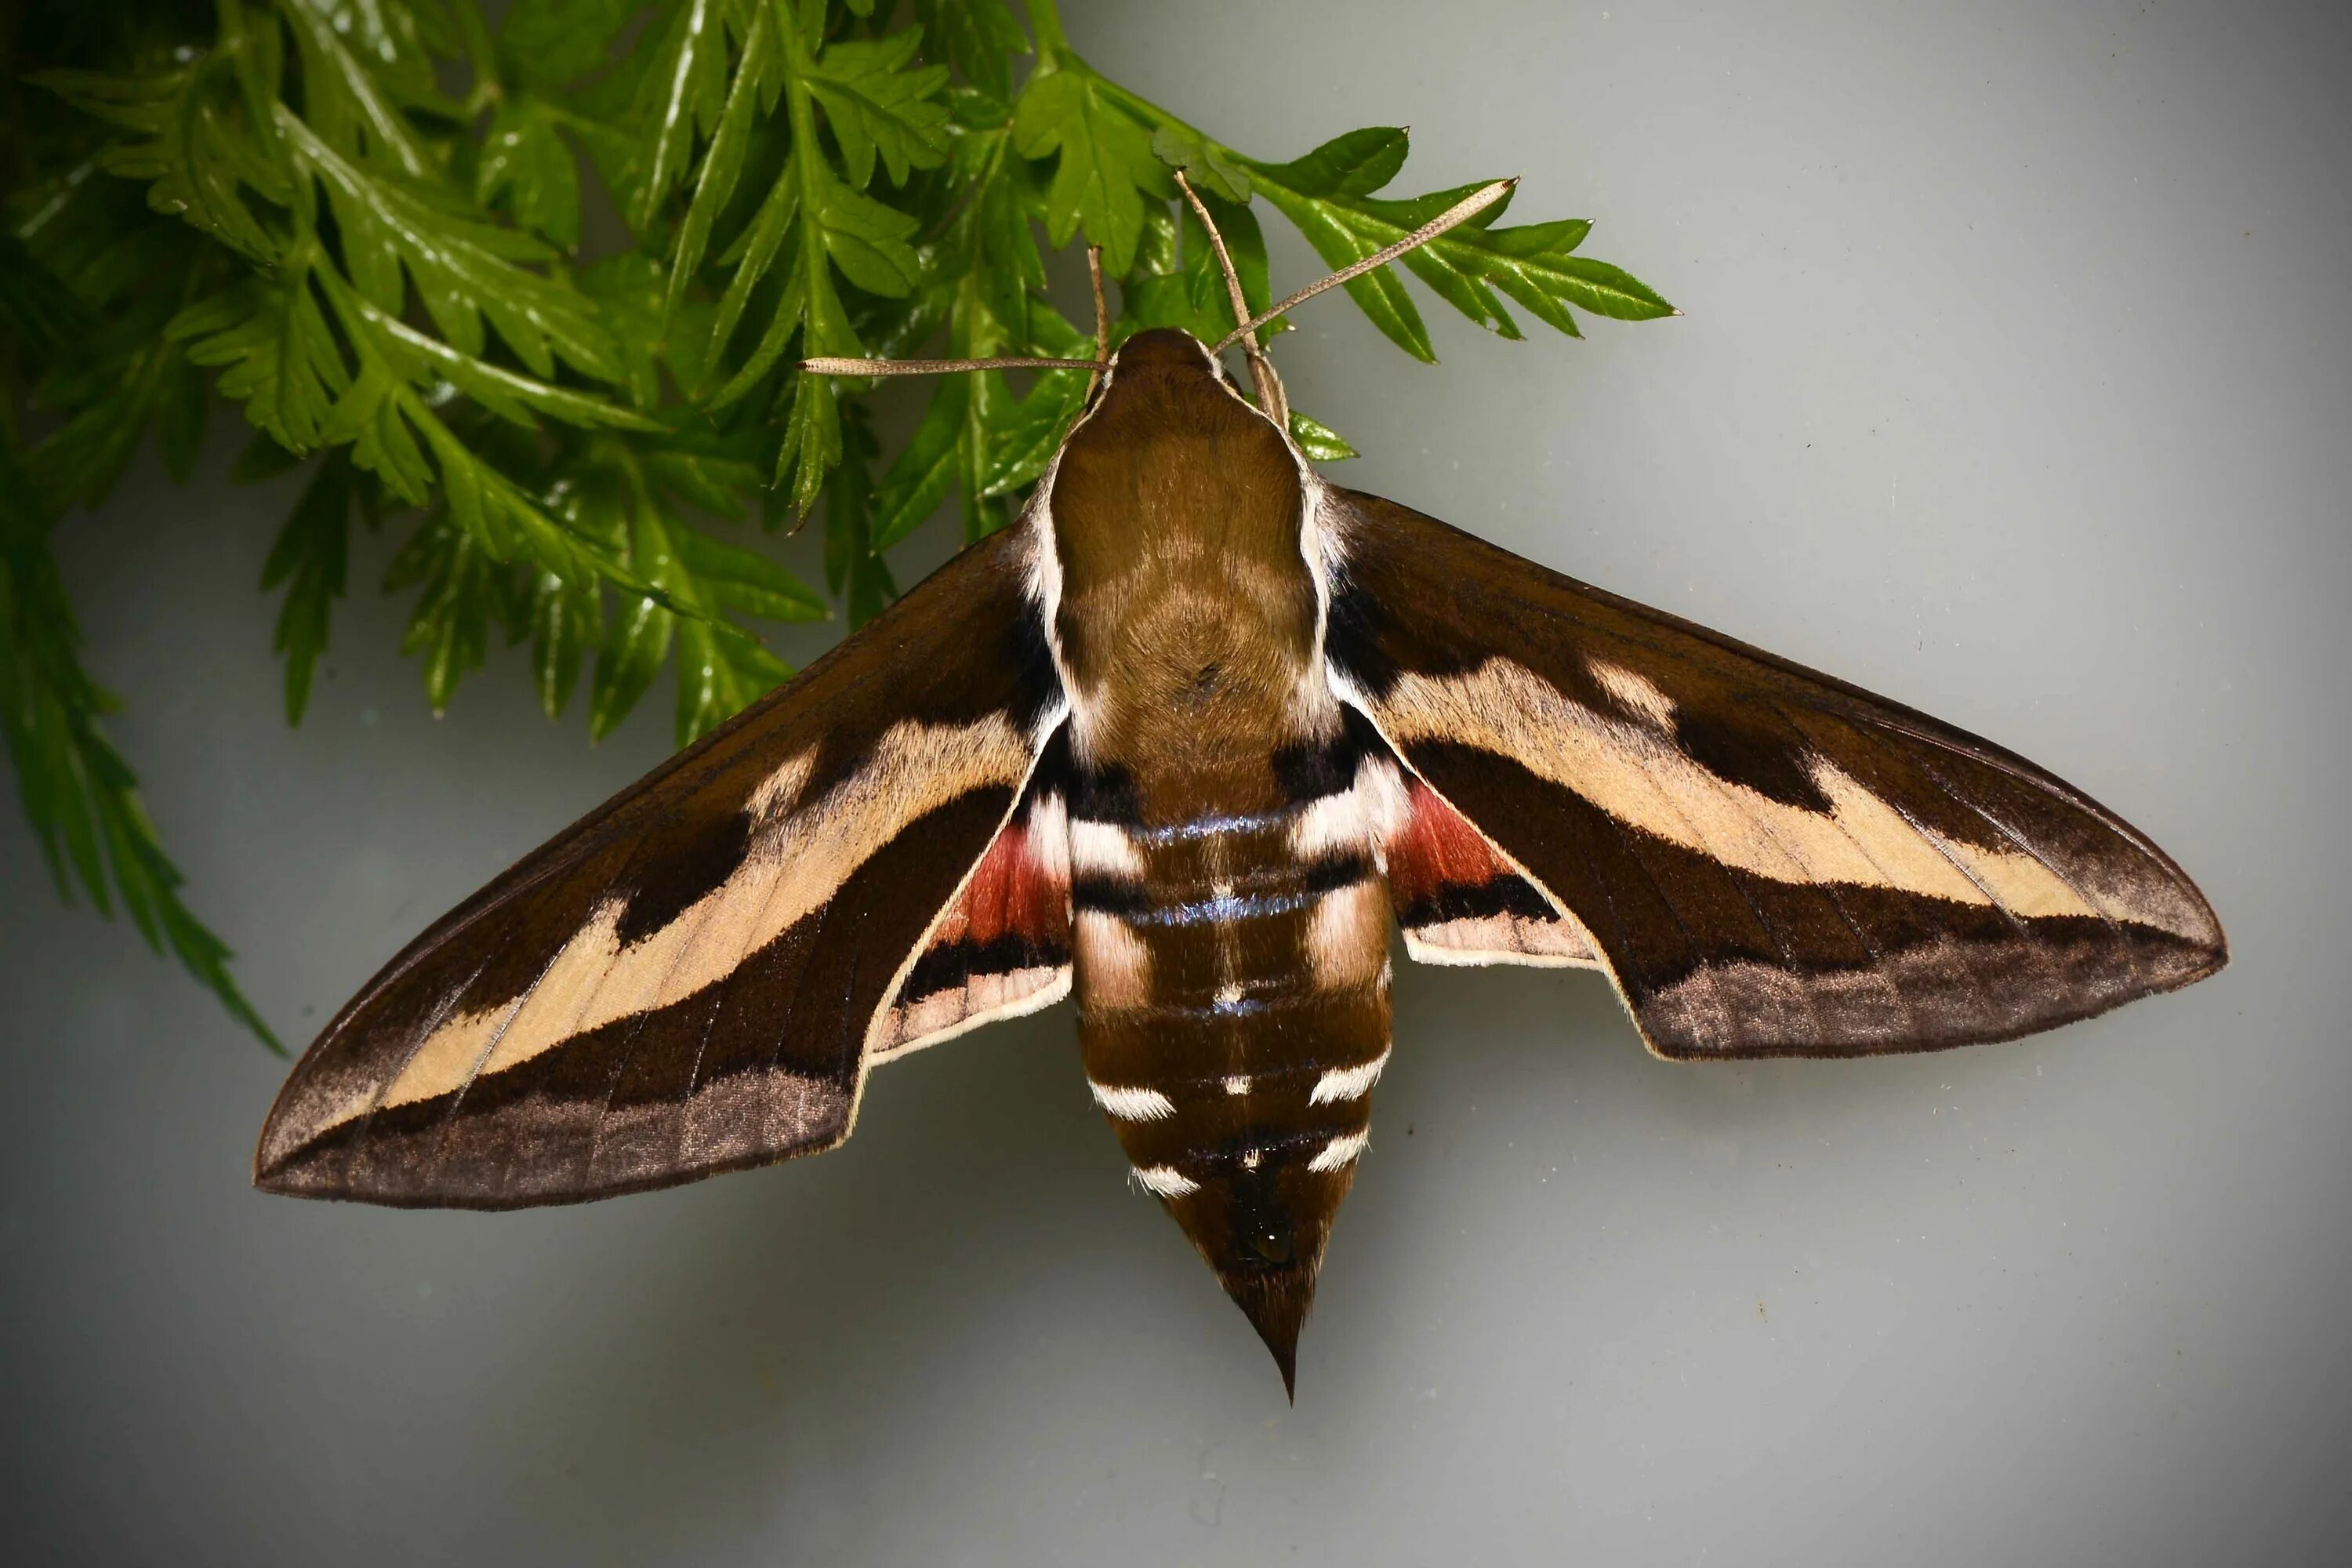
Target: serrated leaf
{"points": [[276, 354], [79, 796], [811, 441], [463, 269], [639, 637], [459, 599], [545, 43], [354, 98], [421, 360], [1353, 165], [1205, 279], [1380, 294], [752, 94], [629, 290], [566, 619], [1205, 165], [200, 154], [741, 579], [869, 241], [1105, 168], [681, 97], [923, 474], [858, 576], [719, 676], [310, 560], [979, 37], [878, 102], [526, 166]]}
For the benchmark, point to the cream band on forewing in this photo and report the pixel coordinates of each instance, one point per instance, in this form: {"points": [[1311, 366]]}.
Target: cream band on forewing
{"points": [[799, 856], [1637, 775]]}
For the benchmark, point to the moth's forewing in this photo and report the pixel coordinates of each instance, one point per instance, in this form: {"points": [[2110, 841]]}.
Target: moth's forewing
{"points": [[1769, 861], [685, 981]]}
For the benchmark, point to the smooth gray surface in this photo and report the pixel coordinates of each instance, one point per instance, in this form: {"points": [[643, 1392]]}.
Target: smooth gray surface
{"points": [[2016, 384]]}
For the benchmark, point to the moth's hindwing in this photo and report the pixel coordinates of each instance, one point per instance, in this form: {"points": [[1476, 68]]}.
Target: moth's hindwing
{"points": [[686, 981], [1766, 861]]}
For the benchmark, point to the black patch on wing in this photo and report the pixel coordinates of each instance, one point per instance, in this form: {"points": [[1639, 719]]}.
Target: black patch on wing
{"points": [[1747, 751], [681, 862], [947, 968], [1505, 895]]}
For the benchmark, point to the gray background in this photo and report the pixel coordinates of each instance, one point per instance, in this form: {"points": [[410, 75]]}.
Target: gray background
{"points": [[2014, 384]]}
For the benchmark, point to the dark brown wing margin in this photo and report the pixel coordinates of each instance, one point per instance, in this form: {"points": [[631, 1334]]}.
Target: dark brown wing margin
{"points": [[682, 981], [1772, 862]]}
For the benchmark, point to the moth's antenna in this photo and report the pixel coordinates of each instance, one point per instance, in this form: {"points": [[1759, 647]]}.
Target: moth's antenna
{"points": [[1460, 213], [1270, 395], [825, 366]]}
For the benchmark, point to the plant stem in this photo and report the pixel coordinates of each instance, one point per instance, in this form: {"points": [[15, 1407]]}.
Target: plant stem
{"points": [[1045, 21]]}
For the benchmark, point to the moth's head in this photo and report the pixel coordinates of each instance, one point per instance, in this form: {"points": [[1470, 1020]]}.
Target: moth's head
{"points": [[1161, 372], [1164, 351]]}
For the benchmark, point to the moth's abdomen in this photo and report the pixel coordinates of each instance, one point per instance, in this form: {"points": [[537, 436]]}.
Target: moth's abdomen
{"points": [[1233, 987]]}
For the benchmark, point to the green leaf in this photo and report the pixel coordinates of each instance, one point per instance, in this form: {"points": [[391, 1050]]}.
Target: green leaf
{"points": [[1340, 237], [877, 101], [629, 290], [851, 569], [1318, 440], [200, 154], [639, 639], [758, 79], [545, 43], [310, 560], [979, 37], [35, 303], [464, 269], [811, 441], [1205, 280], [1205, 165], [869, 241], [719, 675], [1354, 164], [566, 618], [180, 416], [681, 97], [80, 796], [524, 159], [276, 353], [1105, 166], [354, 98], [461, 597], [741, 579], [921, 478]]}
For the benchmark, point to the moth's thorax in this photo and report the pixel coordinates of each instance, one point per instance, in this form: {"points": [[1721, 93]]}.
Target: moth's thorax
{"points": [[1187, 615]]}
